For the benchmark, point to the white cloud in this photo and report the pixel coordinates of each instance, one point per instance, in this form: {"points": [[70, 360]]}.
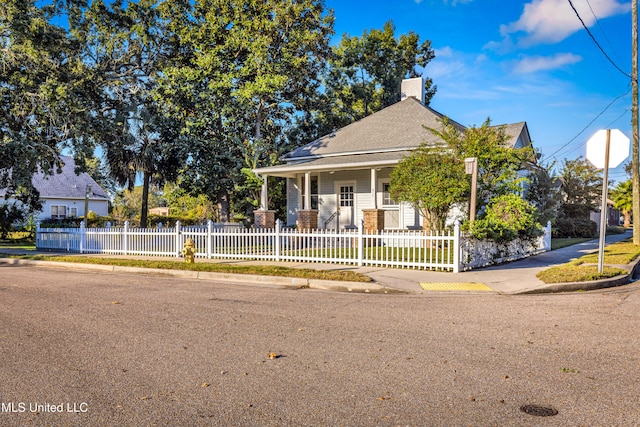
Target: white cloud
{"points": [[550, 21], [531, 64], [444, 52]]}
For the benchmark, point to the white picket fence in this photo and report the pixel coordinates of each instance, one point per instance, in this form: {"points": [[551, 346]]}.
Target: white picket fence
{"points": [[444, 251], [406, 249]]}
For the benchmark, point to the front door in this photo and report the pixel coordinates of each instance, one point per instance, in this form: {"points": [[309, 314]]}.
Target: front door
{"points": [[346, 203]]}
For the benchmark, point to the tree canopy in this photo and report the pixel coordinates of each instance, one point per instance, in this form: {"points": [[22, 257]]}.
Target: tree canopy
{"points": [[581, 187], [499, 164], [432, 180], [42, 86], [203, 90]]}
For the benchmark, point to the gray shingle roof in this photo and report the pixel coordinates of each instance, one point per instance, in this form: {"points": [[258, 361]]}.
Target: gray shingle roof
{"points": [[67, 184], [380, 139], [401, 125]]}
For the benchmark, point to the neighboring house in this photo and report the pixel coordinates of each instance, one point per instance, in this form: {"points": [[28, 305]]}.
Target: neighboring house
{"points": [[160, 211], [342, 178], [613, 215], [65, 195]]}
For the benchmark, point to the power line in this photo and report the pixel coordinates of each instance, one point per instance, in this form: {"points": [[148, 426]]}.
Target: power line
{"points": [[618, 118], [590, 123], [596, 41], [602, 30]]}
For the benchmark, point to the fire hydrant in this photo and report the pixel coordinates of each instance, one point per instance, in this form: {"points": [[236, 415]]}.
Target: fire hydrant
{"points": [[189, 251]]}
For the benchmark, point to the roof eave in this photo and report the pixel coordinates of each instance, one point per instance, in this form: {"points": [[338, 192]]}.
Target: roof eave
{"points": [[290, 171]]}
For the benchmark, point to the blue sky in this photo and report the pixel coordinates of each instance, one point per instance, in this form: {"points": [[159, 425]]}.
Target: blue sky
{"points": [[514, 60]]}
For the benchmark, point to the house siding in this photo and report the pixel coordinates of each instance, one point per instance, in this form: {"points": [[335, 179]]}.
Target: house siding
{"points": [[100, 207], [328, 199]]}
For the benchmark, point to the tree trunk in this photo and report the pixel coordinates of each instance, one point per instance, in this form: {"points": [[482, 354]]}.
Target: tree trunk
{"points": [[627, 218], [223, 205], [145, 199]]}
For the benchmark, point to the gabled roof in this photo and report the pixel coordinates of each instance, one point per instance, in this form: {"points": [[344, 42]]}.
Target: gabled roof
{"points": [[379, 140], [66, 185], [518, 134], [400, 126]]}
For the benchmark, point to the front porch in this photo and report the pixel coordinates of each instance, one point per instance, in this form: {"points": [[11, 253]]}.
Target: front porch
{"points": [[338, 200]]}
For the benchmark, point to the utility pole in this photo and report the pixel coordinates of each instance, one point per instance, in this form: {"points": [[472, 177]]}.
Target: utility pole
{"points": [[635, 151]]}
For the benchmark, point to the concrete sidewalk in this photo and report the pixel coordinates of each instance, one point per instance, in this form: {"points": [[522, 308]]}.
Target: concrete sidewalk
{"points": [[512, 278]]}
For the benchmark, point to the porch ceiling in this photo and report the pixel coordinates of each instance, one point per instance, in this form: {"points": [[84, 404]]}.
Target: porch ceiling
{"points": [[328, 164]]}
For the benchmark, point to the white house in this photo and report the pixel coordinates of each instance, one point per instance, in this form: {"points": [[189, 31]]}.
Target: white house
{"points": [[342, 178], [65, 195]]}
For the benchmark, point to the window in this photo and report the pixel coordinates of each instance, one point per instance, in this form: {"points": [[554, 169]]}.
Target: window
{"points": [[73, 212], [58, 211], [346, 195], [314, 192], [386, 197]]}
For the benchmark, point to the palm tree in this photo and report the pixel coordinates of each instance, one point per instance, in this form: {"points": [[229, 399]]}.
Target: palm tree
{"points": [[622, 197], [148, 146]]}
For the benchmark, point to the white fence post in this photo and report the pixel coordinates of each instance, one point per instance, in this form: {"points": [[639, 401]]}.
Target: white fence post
{"points": [[456, 247], [277, 237], [208, 242], [125, 238], [547, 237], [360, 242], [82, 232], [38, 235], [178, 245]]}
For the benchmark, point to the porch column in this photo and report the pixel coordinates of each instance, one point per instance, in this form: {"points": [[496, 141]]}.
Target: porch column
{"points": [[307, 217], [264, 195], [263, 217], [307, 191], [373, 218], [374, 196]]}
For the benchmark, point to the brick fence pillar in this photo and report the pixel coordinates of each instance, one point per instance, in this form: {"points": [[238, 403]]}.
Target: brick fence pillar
{"points": [[308, 219], [373, 220], [264, 218]]}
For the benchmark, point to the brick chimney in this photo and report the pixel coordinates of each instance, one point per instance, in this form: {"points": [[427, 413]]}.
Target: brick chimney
{"points": [[413, 88]]}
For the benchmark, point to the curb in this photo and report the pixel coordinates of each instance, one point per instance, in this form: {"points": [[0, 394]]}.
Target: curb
{"points": [[621, 280], [276, 281]]}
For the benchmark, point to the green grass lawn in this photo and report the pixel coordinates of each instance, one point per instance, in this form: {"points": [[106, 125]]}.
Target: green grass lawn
{"points": [[264, 270], [18, 240], [585, 268]]}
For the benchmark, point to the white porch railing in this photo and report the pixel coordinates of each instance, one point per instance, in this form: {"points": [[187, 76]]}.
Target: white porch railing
{"points": [[445, 251]]}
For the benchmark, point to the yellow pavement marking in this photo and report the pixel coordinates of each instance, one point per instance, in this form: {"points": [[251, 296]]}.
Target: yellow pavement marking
{"points": [[443, 286]]}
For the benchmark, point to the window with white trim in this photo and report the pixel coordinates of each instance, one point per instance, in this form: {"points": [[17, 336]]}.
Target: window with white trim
{"points": [[386, 196], [314, 191], [58, 211], [73, 212]]}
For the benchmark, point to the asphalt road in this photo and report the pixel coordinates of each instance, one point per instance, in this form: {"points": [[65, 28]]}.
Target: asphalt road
{"points": [[116, 350]]}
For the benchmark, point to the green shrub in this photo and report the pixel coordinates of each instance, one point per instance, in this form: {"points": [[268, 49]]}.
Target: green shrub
{"points": [[10, 215], [507, 218], [572, 228]]}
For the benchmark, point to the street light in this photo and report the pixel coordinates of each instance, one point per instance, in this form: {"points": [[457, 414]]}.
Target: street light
{"points": [[471, 168]]}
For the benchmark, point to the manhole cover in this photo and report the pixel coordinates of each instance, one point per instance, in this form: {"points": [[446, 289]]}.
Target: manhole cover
{"points": [[539, 411]]}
